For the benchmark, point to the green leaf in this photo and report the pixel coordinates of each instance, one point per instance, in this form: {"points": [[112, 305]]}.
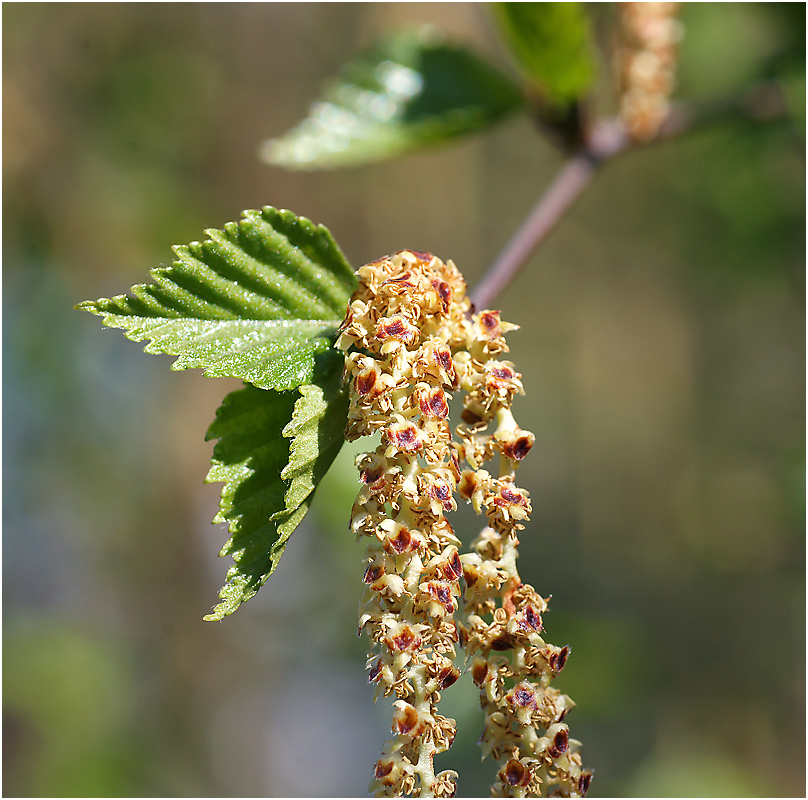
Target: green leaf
{"points": [[412, 91], [551, 43], [258, 301], [269, 482]]}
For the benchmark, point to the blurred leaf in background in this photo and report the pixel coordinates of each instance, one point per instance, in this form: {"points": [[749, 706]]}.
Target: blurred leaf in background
{"points": [[89, 690], [552, 44], [413, 90]]}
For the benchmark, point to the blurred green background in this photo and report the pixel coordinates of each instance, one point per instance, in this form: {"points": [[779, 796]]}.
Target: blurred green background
{"points": [[662, 347]]}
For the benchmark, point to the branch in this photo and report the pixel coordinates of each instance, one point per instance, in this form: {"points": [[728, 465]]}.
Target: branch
{"points": [[607, 140]]}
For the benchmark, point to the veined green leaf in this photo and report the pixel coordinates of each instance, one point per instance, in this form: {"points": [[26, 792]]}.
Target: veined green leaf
{"points": [[551, 43], [413, 90], [269, 481], [258, 301]]}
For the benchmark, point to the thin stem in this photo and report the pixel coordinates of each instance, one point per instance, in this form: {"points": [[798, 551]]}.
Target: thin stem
{"points": [[551, 207], [608, 139]]}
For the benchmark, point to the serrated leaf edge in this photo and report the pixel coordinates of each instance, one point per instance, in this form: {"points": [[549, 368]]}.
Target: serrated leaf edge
{"points": [[286, 520]]}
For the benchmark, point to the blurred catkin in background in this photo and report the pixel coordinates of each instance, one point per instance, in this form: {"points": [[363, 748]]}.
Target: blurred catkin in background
{"points": [[661, 347]]}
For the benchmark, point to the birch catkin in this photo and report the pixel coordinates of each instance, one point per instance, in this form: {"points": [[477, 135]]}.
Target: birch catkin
{"points": [[649, 36], [410, 339]]}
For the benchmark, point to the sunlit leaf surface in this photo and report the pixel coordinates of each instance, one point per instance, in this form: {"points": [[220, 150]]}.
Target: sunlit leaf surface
{"points": [[257, 300]]}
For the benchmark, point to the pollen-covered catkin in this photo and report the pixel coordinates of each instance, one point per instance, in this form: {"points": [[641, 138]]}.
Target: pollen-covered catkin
{"points": [[650, 34], [402, 325], [510, 662], [411, 339]]}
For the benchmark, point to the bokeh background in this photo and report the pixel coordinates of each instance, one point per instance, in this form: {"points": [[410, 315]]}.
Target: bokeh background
{"points": [[662, 347]]}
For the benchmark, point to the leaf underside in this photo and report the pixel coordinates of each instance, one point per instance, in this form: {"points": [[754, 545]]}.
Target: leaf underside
{"points": [[270, 478], [412, 91], [258, 301]]}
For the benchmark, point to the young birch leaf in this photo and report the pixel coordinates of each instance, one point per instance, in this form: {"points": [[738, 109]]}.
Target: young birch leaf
{"points": [[269, 482], [257, 300], [412, 91], [551, 43]]}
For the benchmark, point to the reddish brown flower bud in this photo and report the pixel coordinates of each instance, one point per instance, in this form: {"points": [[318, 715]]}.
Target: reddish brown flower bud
{"points": [[469, 483], [393, 771], [373, 573], [489, 322], [452, 568], [403, 640], [583, 783], [443, 359], [454, 464], [406, 720], [512, 500], [461, 635], [503, 642], [369, 381], [441, 593], [447, 676], [400, 542], [383, 768], [471, 574], [479, 671], [444, 292], [404, 437], [432, 403], [435, 360], [529, 620], [501, 381], [371, 474], [397, 327], [365, 381], [559, 744], [523, 695], [556, 657], [516, 447], [511, 496], [420, 255], [502, 372], [515, 773], [442, 492]]}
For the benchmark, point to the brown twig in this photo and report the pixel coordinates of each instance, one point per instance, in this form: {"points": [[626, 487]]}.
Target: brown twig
{"points": [[607, 140]]}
